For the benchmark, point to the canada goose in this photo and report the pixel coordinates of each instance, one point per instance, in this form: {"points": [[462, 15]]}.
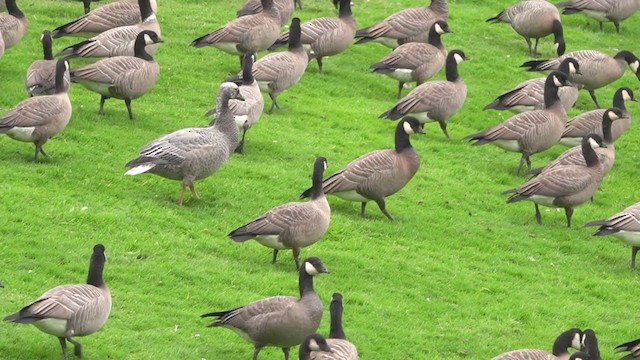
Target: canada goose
{"points": [[282, 321], [534, 19], [69, 311], [590, 344], [534, 131], [378, 174], [106, 17], [529, 95], [37, 119], [194, 153], [589, 122], [13, 26], [435, 100], [294, 225], [570, 338], [341, 348], [404, 26], [122, 77], [285, 8], [312, 345], [276, 72], [624, 225], [602, 10], [246, 113], [119, 41], [414, 61], [632, 346], [41, 75], [597, 69], [564, 186]]}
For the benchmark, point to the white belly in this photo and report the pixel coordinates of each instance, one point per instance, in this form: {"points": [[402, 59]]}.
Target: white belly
{"points": [[228, 48], [509, 145], [21, 133], [571, 141], [271, 241], [351, 196], [392, 43], [55, 327], [543, 200], [630, 237], [403, 75]]}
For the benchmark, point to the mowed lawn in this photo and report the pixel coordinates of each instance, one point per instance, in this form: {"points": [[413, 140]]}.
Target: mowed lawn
{"points": [[459, 275]]}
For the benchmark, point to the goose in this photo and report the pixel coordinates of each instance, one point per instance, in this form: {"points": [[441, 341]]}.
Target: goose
{"points": [[326, 36], [624, 225], [341, 348], [530, 132], [193, 153], [68, 311], [564, 186], [41, 75], [571, 338], [106, 17], [415, 61], [405, 26], [119, 41], [534, 19], [37, 119], [435, 100], [122, 77], [529, 95], [312, 345], [277, 72], [281, 321], [294, 225], [597, 69], [632, 346], [13, 26], [590, 344], [285, 8], [589, 122], [602, 10], [246, 113]]}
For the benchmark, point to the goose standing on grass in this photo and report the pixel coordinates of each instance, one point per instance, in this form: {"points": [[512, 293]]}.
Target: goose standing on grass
{"points": [[564, 186], [597, 69], [281, 321], [294, 225], [530, 132], [571, 338], [41, 75], [312, 345], [122, 77], [602, 10], [37, 119], [378, 174], [435, 100], [624, 225], [13, 26], [285, 8], [341, 348], [69, 311], [414, 61], [194, 153], [632, 346]]}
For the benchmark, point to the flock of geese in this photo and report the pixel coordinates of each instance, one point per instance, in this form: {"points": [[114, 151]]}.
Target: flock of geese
{"points": [[125, 35]]}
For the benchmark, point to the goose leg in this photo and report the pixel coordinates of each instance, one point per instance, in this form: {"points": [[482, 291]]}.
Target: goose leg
{"points": [[256, 352], [601, 27], [296, 257], [529, 44], [535, 49], [286, 352], [538, 216], [298, 4], [78, 347], [127, 102], [274, 100], [194, 191], [102, 100], [363, 207], [524, 159], [400, 87], [634, 252], [63, 345], [181, 199], [319, 60], [275, 256], [40, 150], [383, 208], [617, 24], [569, 212], [443, 126], [240, 148], [594, 98]]}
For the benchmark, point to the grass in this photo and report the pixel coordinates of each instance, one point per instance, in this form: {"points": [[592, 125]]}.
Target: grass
{"points": [[459, 275]]}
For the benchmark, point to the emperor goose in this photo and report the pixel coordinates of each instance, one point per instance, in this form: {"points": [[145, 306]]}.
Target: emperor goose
{"points": [[632, 346], [597, 69], [534, 131], [281, 321], [435, 100], [534, 19], [624, 225], [589, 122], [313, 344], [285, 8], [341, 348], [414, 61], [570, 338], [122, 77], [41, 75], [13, 26], [378, 174], [294, 225], [529, 95], [564, 186], [37, 119], [69, 311], [602, 10], [405, 26], [193, 153]]}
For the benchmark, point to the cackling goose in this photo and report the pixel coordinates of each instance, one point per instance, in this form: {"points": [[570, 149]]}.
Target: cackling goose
{"points": [[285, 8], [602, 10], [624, 225], [570, 338], [13, 26], [41, 75]]}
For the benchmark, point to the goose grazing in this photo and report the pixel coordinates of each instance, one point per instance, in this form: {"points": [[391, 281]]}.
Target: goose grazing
{"points": [[415, 61], [564, 186], [13, 26], [341, 348], [534, 19], [41, 75], [378, 174], [589, 122], [435, 100], [281, 321], [69, 311], [529, 95], [602, 10], [597, 69], [624, 225], [194, 153], [106, 17], [277, 72], [534, 131], [294, 225], [632, 346], [37, 119], [312, 345], [285, 8], [122, 77], [405, 26], [571, 338]]}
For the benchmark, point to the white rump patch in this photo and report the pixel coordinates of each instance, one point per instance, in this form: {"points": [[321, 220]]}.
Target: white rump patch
{"points": [[229, 48], [21, 133], [630, 237], [310, 269], [458, 58], [543, 200], [55, 327], [407, 128], [140, 169], [634, 66], [439, 29]]}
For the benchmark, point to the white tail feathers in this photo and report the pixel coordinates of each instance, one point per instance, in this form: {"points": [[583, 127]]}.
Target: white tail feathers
{"points": [[140, 169]]}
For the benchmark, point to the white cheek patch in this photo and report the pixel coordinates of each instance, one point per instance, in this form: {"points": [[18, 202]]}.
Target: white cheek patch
{"points": [[634, 66], [557, 82], [613, 115], [407, 128], [41, 37], [313, 345], [594, 144], [458, 58], [147, 39], [324, 164], [576, 343], [66, 65], [572, 68], [310, 269], [439, 29], [625, 95]]}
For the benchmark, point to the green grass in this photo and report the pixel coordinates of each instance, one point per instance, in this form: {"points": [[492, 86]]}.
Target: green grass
{"points": [[460, 274]]}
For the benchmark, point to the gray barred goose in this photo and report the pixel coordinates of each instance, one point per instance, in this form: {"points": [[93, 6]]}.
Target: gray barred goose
{"points": [[571, 338], [41, 75], [13, 26], [633, 347], [285, 8], [625, 226], [341, 348], [614, 11]]}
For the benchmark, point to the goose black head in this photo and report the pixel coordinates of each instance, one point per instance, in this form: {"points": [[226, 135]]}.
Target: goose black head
{"points": [[570, 66], [412, 125], [631, 59], [559, 79], [559, 37], [441, 27], [314, 266]]}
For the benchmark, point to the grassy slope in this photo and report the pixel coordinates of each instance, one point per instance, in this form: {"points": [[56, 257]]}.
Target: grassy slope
{"points": [[459, 275]]}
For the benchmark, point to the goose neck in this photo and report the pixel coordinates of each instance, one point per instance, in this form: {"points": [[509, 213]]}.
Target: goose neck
{"points": [[140, 50], [402, 138], [47, 48], [247, 70], [295, 36], [452, 69], [96, 268], [345, 8], [337, 331], [61, 70], [590, 156], [550, 92], [618, 100], [305, 283], [87, 6], [13, 10], [607, 137], [145, 9], [434, 37]]}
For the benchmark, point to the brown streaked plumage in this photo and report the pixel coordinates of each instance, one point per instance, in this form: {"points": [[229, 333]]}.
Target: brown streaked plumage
{"points": [[41, 75], [571, 338], [285, 8], [614, 11]]}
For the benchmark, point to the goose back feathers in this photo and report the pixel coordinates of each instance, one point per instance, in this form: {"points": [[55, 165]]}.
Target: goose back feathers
{"points": [[285, 8], [41, 75], [624, 225], [13, 26], [602, 10], [341, 348]]}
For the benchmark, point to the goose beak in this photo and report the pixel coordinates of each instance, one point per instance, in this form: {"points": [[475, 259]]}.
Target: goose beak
{"points": [[569, 83], [325, 270], [421, 131], [160, 40], [578, 72], [239, 97]]}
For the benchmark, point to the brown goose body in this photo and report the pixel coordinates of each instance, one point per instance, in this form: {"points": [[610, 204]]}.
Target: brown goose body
{"points": [[570, 338], [41, 75], [285, 8], [614, 11], [624, 225], [13, 26]]}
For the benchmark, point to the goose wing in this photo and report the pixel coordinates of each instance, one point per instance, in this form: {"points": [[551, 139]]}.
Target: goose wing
{"points": [[426, 96], [403, 24], [518, 126], [410, 55], [628, 219], [272, 66], [107, 71], [282, 218], [561, 181], [34, 111], [373, 166], [62, 302], [583, 124], [254, 316], [175, 147]]}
